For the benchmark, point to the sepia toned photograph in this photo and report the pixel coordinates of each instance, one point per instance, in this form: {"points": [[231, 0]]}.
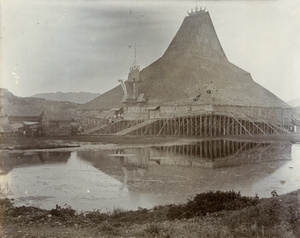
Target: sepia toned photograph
{"points": [[150, 118]]}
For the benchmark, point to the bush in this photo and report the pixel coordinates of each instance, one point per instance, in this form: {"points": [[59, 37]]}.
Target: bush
{"points": [[158, 230], [272, 217], [95, 216], [63, 212], [211, 202]]}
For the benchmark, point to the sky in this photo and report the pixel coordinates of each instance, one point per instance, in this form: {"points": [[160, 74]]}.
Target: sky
{"points": [[88, 45]]}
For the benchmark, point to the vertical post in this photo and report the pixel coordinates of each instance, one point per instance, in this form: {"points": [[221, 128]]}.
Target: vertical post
{"points": [[210, 125], [192, 125], [200, 125], [196, 125], [210, 149], [228, 126], [187, 125], [224, 125], [173, 126], [179, 126], [201, 149]]}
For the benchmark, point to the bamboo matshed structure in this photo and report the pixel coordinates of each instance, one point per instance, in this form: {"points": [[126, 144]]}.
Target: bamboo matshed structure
{"points": [[192, 90]]}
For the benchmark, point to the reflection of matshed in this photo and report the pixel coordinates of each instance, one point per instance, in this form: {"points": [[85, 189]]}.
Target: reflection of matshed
{"points": [[124, 184], [138, 176]]}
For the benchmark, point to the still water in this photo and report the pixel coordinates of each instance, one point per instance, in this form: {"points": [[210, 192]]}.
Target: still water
{"points": [[129, 178]]}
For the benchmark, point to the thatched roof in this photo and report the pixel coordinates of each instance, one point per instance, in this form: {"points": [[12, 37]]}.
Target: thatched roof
{"points": [[194, 70]]}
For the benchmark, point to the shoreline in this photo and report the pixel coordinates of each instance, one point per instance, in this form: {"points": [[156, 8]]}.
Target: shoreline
{"points": [[28, 143], [202, 216]]}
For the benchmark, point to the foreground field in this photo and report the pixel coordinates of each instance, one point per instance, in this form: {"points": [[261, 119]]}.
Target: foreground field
{"points": [[212, 214]]}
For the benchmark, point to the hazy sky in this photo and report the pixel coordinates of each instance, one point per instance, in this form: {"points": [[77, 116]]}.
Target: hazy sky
{"points": [[69, 45]]}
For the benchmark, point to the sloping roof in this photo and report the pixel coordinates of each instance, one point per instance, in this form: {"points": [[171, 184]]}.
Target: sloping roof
{"points": [[16, 126], [194, 70], [153, 108], [30, 123]]}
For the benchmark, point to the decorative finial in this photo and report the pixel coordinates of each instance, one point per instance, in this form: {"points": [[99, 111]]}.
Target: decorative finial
{"points": [[135, 65], [135, 54], [192, 12]]}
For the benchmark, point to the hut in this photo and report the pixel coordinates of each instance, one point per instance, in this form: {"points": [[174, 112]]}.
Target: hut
{"points": [[41, 124], [4, 123], [193, 90], [32, 123]]}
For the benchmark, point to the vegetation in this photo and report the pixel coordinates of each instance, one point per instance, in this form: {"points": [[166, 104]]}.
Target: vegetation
{"points": [[211, 214], [211, 202]]}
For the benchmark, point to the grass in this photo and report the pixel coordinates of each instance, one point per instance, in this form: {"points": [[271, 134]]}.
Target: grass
{"points": [[212, 214]]}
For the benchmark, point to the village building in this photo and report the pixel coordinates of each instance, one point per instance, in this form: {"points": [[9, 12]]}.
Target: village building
{"points": [[36, 117], [4, 122], [192, 90], [41, 125]]}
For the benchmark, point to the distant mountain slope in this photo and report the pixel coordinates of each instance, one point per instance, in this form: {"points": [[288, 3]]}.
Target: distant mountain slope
{"points": [[296, 111], [294, 103], [28, 106], [76, 97]]}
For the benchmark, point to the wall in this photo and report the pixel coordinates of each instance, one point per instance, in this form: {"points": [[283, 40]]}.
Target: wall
{"points": [[281, 115]]}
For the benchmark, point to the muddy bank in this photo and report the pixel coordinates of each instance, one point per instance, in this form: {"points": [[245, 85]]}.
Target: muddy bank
{"points": [[23, 143], [29, 143], [19, 142], [218, 214]]}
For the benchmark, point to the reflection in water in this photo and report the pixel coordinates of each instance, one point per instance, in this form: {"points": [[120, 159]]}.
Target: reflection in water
{"points": [[11, 160], [183, 170], [74, 182], [220, 153], [132, 177]]}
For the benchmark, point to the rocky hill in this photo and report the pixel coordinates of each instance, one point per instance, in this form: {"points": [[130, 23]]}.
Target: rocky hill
{"points": [[28, 106], [76, 97]]}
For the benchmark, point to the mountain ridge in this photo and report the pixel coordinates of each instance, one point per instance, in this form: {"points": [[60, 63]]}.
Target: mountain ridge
{"points": [[76, 97], [14, 106], [294, 103]]}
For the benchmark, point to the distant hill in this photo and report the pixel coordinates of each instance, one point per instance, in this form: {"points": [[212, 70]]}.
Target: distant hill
{"points": [[296, 111], [294, 103], [76, 97], [28, 106]]}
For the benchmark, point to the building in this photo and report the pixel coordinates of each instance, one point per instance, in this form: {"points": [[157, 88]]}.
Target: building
{"points": [[4, 122], [41, 124], [192, 90]]}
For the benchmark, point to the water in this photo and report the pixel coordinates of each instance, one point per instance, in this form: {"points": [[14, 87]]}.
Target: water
{"points": [[129, 178]]}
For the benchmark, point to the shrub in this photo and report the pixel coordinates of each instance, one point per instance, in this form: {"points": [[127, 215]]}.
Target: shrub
{"points": [[158, 230], [63, 212], [211, 202], [95, 216]]}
